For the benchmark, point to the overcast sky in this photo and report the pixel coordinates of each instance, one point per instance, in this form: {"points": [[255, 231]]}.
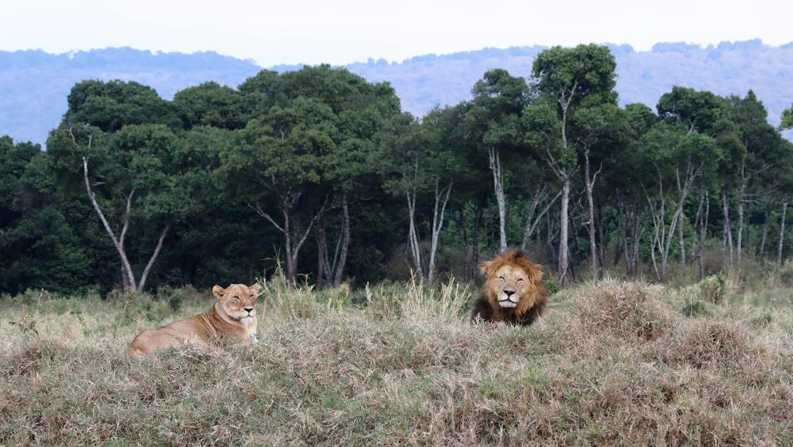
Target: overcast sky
{"points": [[343, 31]]}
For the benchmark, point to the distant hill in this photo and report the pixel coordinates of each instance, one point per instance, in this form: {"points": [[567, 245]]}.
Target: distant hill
{"points": [[643, 76], [34, 84]]}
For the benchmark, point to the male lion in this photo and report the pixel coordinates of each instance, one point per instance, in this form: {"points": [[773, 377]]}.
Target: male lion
{"points": [[232, 318], [512, 292]]}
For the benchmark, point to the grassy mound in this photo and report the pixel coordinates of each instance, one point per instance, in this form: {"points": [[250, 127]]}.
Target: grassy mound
{"points": [[612, 364]]}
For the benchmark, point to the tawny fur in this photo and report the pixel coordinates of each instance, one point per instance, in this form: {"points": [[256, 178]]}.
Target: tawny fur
{"points": [[511, 271], [227, 321]]}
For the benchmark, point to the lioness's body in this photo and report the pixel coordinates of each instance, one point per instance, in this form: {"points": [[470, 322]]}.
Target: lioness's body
{"points": [[513, 291], [231, 320]]}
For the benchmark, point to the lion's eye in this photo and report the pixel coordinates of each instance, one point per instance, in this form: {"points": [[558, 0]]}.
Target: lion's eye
{"points": [[502, 278], [520, 279]]}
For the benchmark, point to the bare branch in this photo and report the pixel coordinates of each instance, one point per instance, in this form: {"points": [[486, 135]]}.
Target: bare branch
{"points": [[264, 215], [153, 258], [116, 243], [311, 224], [126, 218]]}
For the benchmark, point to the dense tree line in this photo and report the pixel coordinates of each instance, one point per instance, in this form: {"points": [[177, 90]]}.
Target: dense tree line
{"points": [[322, 173]]}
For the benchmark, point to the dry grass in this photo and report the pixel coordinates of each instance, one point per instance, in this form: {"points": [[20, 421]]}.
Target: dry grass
{"points": [[613, 363]]}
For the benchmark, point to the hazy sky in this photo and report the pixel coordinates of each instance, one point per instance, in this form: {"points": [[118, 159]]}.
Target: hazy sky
{"points": [[342, 31]]}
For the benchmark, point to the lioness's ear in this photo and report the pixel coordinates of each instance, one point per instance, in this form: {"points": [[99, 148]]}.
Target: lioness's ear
{"points": [[256, 289], [218, 291]]}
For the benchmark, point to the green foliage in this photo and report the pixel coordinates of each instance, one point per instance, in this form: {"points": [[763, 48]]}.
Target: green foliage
{"points": [[216, 163], [114, 104], [713, 289], [694, 309], [587, 73], [697, 111], [40, 249], [210, 104], [787, 119]]}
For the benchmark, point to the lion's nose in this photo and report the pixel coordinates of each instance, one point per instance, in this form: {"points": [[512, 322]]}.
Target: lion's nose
{"points": [[509, 293], [249, 309]]}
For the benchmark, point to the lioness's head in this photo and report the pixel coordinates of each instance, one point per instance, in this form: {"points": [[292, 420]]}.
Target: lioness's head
{"points": [[238, 301], [511, 279]]}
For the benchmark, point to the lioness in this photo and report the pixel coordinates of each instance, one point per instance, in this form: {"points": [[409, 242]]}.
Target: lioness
{"points": [[513, 291], [232, 318]]}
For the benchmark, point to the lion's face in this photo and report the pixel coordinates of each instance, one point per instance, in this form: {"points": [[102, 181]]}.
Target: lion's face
{"points": [[238, 301], [509, 285], [511, 280]]}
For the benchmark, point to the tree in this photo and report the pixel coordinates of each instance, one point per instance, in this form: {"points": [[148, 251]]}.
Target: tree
{"points": [[113, 104], [787, 119], [629, 172], [418, 160], [494, 124], [40, 249], [568, 78], [210, 104], [759, 147], [600, 133], [678, 157], [362, 112], [704, 112], [131, 176], [278, 164]]}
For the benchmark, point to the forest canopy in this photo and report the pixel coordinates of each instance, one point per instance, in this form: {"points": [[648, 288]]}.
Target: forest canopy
{"points": [[324, 175]]}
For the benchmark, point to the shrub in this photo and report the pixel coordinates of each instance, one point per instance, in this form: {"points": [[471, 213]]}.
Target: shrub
{"points": [[709, 343], [694, 309], [713, 289], [629, 311]]}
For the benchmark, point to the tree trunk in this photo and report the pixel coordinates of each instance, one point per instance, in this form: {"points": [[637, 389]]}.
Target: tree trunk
{"points": [[128, 276], [125, 285], [624, 225], [534, 218], [602, 242], [637, 234], [413, 238], [703, 210], [323, 269], [441, 199], [727, 226], [781, 234], [341, 262], [564, 264], [291, 261], [739, 241], [765, 234], [292, 243], [501, 201], [147, 269], [590, 185], [631, 227], [682, 239], [475, 239], [663, 237]]}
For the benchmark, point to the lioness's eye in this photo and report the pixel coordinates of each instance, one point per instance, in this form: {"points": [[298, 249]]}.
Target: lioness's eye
{"points": [[501, 278], [520, 279]]}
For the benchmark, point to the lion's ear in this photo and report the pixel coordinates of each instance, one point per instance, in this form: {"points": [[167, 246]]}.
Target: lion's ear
{"points": [[486, 268], [535, 274], [256, 289], [218, 292]]}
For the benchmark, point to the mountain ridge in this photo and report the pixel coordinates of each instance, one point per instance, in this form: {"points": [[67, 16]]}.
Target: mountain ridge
{"points": [[34, 84]]}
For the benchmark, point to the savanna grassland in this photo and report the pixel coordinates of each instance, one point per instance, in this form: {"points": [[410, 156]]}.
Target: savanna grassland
{"points": [[612, 363]]}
